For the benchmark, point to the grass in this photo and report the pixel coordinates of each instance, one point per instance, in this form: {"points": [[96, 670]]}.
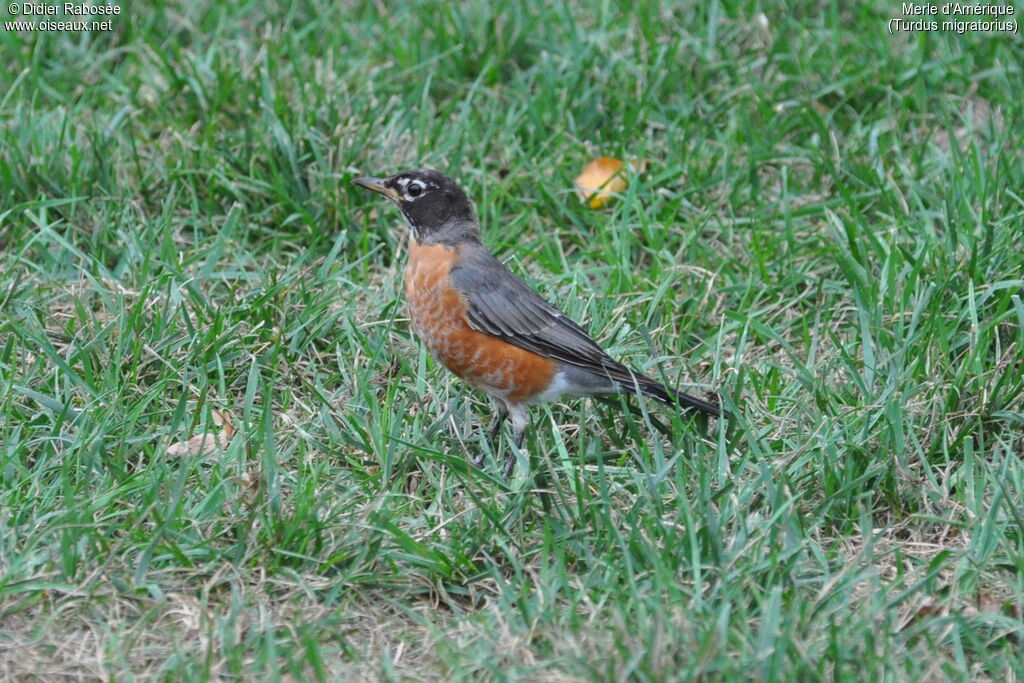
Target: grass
{"points": [[830, 231]]}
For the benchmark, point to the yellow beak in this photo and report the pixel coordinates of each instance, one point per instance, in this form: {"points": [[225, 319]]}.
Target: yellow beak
{"points": [[377, 185]]}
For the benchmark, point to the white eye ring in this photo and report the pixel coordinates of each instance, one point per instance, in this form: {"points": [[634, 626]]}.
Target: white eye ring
{"points": [[415, 188]]}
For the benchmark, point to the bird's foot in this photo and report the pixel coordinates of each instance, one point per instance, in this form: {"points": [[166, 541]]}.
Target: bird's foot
{"points": [[510, 464]]}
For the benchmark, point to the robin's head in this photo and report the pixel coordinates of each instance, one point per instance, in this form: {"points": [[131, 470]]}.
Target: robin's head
{"points": [[436, 209]]}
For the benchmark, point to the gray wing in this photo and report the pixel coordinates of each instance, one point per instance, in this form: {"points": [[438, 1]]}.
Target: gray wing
{"points": [[502, 305]]}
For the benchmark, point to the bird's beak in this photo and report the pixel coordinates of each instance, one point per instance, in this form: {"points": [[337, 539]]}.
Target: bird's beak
{"points": [[377, 185]]}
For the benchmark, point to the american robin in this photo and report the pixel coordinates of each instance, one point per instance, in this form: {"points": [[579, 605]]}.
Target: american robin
{"points": [[485, 324]]}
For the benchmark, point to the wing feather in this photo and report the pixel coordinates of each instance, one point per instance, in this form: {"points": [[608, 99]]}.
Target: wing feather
{"points": [[502, 305]]}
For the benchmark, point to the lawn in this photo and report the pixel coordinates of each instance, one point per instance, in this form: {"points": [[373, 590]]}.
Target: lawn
{"points": [[828, 231]]}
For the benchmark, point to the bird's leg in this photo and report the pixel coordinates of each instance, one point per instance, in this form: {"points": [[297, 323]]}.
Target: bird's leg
{"points": [[510, 464], [519, 421], [495, 431], [498, 421]]}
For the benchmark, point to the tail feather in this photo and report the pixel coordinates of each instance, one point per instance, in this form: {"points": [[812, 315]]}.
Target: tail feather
{"points": [[658, 391]]}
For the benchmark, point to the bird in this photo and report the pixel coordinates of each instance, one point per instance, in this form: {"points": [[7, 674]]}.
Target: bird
{"points": [[486, 325]]}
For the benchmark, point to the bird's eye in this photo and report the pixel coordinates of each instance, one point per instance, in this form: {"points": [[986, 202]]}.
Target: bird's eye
{"points": [[415, 188]]}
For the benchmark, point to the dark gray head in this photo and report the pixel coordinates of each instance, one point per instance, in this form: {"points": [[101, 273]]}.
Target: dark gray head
{"points": [[436, 209]]}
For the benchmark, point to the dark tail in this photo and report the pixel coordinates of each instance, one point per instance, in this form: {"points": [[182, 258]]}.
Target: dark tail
{"points": [[658, 391]]}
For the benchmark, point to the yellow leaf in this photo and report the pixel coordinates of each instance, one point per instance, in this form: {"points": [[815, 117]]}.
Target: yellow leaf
{"points": [[601, 179]]}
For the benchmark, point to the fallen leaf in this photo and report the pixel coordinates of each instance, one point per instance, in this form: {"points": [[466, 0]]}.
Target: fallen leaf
{"points": [[602, 179], [205, 443]]}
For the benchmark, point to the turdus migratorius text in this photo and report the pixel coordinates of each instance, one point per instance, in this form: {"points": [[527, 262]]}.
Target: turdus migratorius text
{"points": [[489, 327]]}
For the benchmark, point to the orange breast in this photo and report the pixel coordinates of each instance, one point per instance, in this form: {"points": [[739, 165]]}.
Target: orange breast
{"points": [[438, 314]]}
